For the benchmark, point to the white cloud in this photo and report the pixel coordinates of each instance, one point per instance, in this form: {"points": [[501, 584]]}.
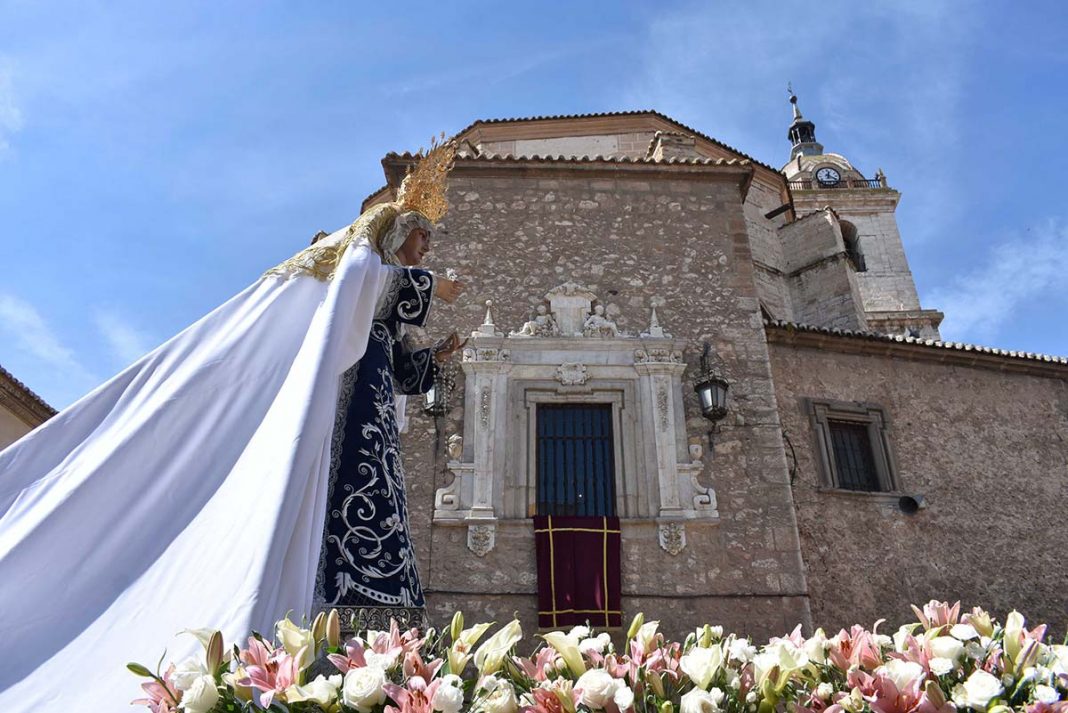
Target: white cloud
{"points": [[11, 120], [38, 356], [1020, 269], [27, 329], [126, 342]]}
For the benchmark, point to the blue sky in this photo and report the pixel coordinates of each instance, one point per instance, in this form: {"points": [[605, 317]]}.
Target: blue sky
{"points": [[156, 157]]}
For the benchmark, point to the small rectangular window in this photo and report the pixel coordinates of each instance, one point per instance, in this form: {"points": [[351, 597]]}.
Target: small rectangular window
{"points": [[853, 446], [575, 460], [853, 457]]}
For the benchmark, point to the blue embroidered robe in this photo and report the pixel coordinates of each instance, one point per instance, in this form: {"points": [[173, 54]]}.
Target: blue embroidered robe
{"points": [[367, 560]]}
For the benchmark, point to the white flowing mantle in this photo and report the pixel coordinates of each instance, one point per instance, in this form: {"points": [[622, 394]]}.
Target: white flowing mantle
{"points": [[188, 491]]}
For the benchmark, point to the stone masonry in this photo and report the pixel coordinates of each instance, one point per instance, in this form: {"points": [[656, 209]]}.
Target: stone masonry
{"points": [[641, 211]]}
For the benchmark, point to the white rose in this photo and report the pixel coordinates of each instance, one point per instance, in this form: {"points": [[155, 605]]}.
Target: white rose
{"points": [[501, 699], [382, 661], [624, 697], [941, 666], [947, 647], [598, 687], [824, 691], [741, 650], [578, 633], [974, 650], [698, 701], [294, 640], [977, 691], [362, 688], [1045, 694], [187, 672], [701, 665], [322, 690], [201, 696], [902, 673], [448, 698], [595, 645], [883, 641], [964, 632]]}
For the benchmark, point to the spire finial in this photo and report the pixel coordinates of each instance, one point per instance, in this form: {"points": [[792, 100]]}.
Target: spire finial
{"points": [[802, 132], [793, 100]]}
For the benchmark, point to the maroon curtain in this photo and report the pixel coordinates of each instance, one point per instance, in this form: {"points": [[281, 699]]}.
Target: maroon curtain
{"points": [[578, 571]]}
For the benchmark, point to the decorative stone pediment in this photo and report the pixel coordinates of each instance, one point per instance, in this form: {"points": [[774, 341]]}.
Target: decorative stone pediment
{"points": [[570, 305], [570, 352]]}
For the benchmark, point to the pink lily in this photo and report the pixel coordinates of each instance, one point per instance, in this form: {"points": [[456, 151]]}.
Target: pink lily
{"points": [[936, 614], [856, 647], [416, 698], [535, 668], [162, 698], [269, 672]]}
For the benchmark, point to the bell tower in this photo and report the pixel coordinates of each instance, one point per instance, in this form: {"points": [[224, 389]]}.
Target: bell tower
{"points": [[870, 238]]}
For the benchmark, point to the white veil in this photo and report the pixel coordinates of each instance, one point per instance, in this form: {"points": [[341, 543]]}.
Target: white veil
{"points": [[187, 491]]}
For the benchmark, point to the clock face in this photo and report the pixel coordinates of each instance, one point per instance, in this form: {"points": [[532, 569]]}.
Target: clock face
{"points": [[828, 176]]}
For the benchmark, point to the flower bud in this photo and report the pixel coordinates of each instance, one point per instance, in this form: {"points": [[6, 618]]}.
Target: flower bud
{"points": [[214, 652], [666, 707], [318, 628], [635, 625], [333, 629], [457, 625]]}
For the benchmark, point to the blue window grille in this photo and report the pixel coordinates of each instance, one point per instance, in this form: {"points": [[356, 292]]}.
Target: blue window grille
{"points": [[575, 460]]}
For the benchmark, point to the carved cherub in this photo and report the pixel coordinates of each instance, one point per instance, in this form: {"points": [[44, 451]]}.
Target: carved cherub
{"points": [[543, 325], [597, 325]]}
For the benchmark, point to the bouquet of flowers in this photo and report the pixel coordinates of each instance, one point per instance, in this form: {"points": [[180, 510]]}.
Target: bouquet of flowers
{"points": [[943, 662]]}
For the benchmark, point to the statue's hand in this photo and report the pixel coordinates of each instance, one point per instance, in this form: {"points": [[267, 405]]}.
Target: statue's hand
{"points": [[447, 347], [448, 290]]}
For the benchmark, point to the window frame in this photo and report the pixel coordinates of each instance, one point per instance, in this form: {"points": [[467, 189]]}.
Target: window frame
{"points": [[821, 412]]}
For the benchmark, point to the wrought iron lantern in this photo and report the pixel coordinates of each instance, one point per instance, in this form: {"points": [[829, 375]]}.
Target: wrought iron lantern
{"points": [[711, 388]]}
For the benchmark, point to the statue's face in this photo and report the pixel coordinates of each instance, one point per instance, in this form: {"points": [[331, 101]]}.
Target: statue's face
{"points": [[599, 310], [541, 309], [414, 248]]}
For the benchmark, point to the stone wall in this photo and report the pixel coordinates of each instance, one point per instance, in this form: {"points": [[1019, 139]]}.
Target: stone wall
{"points": [[629, 235], [887, 284], [766, 246], [12, 428], [986, 449], [823, 287]]}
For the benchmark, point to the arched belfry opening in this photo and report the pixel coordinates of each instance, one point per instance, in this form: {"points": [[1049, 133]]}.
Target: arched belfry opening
{"points": [[852, 246]]}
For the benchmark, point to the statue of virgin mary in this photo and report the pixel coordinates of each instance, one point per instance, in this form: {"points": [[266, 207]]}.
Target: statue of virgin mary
{"points": [[195, 488]]}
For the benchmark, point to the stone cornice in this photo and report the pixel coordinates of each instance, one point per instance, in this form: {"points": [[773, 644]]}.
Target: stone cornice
{"points": [[913, 349], [23, 403], [739, 172]]}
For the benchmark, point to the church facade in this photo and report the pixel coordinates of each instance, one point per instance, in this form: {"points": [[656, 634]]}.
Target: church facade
{"points": [[615, 261]]}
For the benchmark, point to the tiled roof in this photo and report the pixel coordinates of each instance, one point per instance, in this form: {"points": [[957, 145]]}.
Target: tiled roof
{"points": [[408, 156], [607, 114], [930, 343], [25, 398]]}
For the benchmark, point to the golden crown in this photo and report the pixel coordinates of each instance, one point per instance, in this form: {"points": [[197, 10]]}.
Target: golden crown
{"points": [[423, 189]]}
